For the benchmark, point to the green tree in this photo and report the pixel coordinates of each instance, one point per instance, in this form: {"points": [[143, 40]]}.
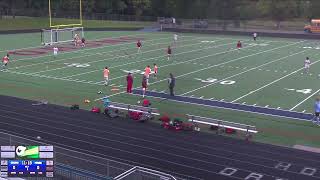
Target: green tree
{"points": [[139, 6]]}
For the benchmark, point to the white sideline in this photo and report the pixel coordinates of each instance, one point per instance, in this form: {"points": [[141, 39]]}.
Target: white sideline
{"points": [[143, 52], [212, 66], [80, 50], [112, 37], [304, 100], [157, 57], [242, 72], [251, 92]]}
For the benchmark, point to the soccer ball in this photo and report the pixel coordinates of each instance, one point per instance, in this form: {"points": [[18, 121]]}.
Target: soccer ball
{"points": [[138, 102]]}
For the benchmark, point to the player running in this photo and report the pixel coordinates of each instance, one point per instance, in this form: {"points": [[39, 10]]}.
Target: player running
{"points": [[155, 70], [106, 74], [139, 45], [144, 85], [175, 38], [255, 35], [147, 72], [307, 64], [55, 52], [169, 52], [239, 45], [5, 61]]}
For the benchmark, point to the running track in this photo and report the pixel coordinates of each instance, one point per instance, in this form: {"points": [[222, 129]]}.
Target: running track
{"points": [[185, 154]]}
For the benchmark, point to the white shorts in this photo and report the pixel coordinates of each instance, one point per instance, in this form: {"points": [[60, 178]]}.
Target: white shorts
{"points": [[175, 39], [307, 66], [147, 76], [55, 53]]}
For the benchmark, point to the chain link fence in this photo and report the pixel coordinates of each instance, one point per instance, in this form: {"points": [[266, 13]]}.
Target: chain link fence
{"points": [[235, 25]]}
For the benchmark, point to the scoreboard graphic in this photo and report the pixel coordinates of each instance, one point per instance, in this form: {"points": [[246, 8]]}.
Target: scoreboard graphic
{"points": [[27, 161]]}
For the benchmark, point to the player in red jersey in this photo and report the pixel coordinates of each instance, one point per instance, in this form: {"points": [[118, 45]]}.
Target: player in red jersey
{"points": [[239, 45], [169, 52], [139, 45], [5, 60]]}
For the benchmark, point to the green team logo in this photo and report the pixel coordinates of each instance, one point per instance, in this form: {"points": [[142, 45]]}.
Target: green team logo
{"points": [[28, 152]]}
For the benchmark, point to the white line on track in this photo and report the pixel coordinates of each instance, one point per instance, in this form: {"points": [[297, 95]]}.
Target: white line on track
{"points": [[305, 100], [243, 71], [251, 92]]}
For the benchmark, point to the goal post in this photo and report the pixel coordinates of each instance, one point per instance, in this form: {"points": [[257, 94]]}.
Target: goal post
{"points": [[56, 19], [64, 35]]}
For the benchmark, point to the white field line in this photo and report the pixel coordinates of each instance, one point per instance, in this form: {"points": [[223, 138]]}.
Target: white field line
{"points": [[143, 52], [49, 77], [87, 54], [82, 50], [122, 44], [95, 83], [79, 49], [304, 100], [251, 92], [8, 50], [181, 62], [254, 68], [210, 67], [88, 72], [88, 82]]}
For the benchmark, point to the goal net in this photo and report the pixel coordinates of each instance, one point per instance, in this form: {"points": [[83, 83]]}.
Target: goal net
{"points": [[54, 36]]}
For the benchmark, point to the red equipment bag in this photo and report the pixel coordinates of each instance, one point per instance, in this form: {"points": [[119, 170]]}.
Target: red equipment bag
{"points": [[135, 115], [95, 110], [230, 131]]}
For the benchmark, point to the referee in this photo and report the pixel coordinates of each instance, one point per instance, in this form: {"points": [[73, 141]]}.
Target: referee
{"points": [[316, 112], [171, 83]]}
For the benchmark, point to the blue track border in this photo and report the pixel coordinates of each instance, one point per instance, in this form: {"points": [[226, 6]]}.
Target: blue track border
{"points": [[232, 106]]}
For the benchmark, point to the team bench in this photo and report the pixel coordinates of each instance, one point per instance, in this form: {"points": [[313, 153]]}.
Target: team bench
{"points": [[227, 126], [135, 112]]}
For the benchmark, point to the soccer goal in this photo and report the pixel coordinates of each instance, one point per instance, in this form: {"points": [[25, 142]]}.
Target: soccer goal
{"points": [[64, 35], [63, 25]]}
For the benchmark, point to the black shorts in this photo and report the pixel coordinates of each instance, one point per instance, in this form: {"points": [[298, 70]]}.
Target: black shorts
{"points": [[317, 114]]}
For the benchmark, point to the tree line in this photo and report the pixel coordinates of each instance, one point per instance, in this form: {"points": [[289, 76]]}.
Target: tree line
{"points": [[204, 9]]}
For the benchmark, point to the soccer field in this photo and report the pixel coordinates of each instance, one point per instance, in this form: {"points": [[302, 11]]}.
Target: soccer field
{"points": [[267, 73]]}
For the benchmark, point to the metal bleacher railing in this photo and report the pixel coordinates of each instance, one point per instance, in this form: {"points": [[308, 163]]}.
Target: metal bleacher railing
{"points": [[74, 165]]}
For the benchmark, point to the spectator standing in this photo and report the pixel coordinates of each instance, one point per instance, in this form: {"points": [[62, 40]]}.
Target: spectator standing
{"points": [[316, 112], [129, 83]]}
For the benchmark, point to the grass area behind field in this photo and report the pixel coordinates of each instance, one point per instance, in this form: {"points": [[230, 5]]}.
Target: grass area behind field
{"points": [[25, 23]]}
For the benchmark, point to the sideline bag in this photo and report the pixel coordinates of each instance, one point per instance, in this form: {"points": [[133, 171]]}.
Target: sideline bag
{"points": [[74, 107], [95, 110]]}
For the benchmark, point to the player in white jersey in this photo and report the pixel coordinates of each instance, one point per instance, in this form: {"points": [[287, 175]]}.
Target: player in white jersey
{"points": [[255, 35], [307, 64], [175, 38], [55, 51]]}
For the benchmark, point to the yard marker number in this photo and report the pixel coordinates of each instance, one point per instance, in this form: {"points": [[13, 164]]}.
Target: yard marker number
{"points": [[78, 65], [212, 80], [303, 91]]}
